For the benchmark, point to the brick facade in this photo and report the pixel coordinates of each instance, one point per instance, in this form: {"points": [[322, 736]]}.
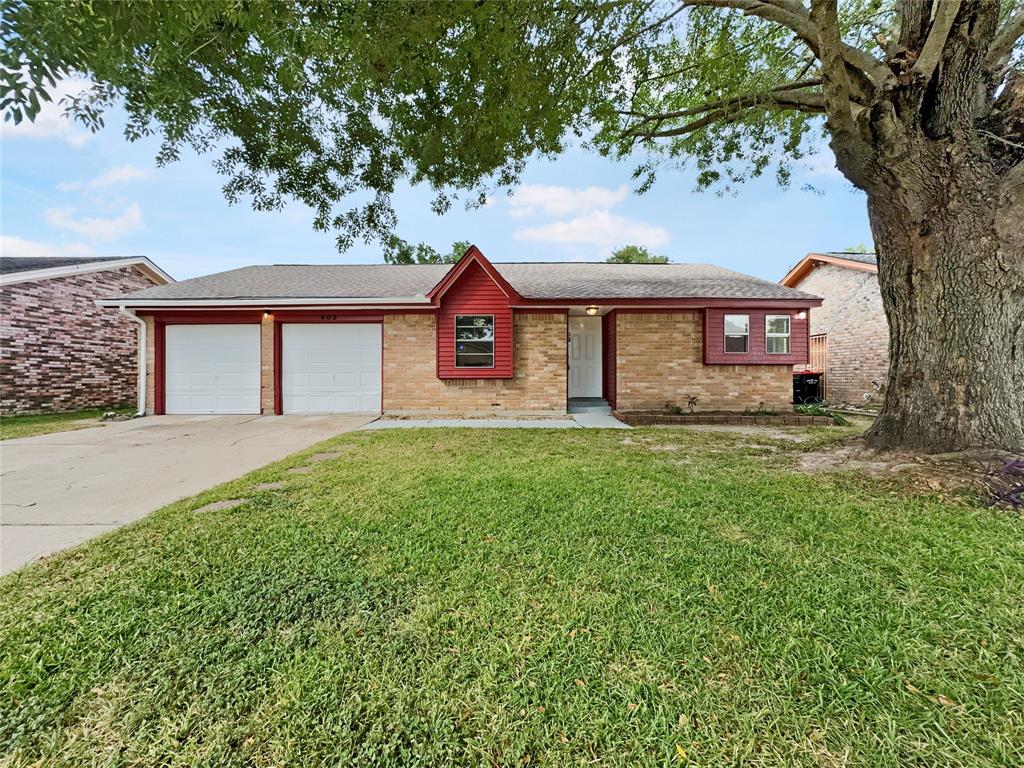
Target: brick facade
{"points": [[660, 359], [538, 383], [59, 351], [858, 332], [267, 364]]}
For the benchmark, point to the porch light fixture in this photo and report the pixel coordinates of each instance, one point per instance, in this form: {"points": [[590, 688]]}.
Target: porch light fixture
{"points": [[801, 315], [592, 310], [267, 313]]}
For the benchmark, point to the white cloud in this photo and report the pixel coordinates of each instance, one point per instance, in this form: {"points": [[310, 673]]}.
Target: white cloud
{"points": [[51, 123], [120, 175], [600, 228], [17, 246], [563, 201], [95, 228]]}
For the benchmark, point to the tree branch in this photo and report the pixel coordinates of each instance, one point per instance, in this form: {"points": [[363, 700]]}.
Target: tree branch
{"points": [[851, 151], [725, 111], [779, 95], [793, 16], [914, 16], [942, 22], [1005, 39]]}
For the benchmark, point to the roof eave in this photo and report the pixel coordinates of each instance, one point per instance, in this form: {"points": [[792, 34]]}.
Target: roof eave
{"points": [[67, 270], [803, 267], [328, 301]]}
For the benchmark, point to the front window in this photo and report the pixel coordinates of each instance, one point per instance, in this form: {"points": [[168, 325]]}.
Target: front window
{"points": [[474, 341], [776, 334], [737, 333]]}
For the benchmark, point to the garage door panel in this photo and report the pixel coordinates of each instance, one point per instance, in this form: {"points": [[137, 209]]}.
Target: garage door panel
{"points": [[212, 368], [331, 368]]}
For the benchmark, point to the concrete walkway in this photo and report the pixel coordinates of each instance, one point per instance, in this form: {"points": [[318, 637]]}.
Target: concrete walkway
{"points": [[576, 421], [60, 489]]}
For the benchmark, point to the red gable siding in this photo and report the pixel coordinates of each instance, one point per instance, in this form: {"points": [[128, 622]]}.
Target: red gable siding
{"points": [[610, 356], [474, 293], [714, 338]]}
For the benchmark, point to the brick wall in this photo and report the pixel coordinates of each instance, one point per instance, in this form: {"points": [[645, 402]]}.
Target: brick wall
{"points": [[59, 351], [858, 332], [410, 370], [267, 364], [660, 359]]}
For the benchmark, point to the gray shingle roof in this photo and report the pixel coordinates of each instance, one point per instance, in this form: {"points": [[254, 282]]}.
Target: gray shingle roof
{"points": [[11, 264], [863, 258], [562, 280]]}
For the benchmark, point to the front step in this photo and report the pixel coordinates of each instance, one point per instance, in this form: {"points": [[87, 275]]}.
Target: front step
{"points": [[589, 405]]}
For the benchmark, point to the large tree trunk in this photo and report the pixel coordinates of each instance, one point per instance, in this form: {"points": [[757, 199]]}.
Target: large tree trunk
{"points": [[951, 272]]}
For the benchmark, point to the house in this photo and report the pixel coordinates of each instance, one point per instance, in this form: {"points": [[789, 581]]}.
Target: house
{"points": [[469, 338], [58, 350], [849, 333]]}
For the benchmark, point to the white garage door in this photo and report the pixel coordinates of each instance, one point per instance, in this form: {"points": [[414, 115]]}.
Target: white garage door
{"points": [[212, 369], [330, 367]]}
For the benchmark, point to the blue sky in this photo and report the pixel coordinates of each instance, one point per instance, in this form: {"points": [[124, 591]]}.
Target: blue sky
{"points": [[69, 192]]}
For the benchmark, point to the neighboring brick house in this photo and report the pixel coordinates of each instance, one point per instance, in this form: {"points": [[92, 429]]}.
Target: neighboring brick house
{"points": [[59, 351], [473, 338], [849, 333]]}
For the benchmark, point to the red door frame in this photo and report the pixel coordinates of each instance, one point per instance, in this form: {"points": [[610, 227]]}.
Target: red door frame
{"points": [[160, 322]]}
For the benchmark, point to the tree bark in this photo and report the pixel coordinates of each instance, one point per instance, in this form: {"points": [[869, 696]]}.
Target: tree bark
{"points": [[950, 240]]}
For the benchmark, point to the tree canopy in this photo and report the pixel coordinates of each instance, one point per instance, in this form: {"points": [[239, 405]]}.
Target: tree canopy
{"points": [[398, 251], [335, 104], [635, 254]]}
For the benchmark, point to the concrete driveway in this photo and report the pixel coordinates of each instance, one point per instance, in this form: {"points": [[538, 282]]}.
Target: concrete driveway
{"points": [[61, 489]]}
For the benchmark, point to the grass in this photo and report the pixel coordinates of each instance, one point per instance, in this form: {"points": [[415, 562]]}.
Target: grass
{"points": [[12, 427], [489, 597]]}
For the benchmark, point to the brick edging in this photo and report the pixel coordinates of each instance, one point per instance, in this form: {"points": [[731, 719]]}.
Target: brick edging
{"points": [[780, 420]]}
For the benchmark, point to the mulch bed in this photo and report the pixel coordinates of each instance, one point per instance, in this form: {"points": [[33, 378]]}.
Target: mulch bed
{"points": [[652, 418]]}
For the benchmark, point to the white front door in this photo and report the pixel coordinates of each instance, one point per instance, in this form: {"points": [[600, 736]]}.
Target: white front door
{"points": [[330, 367], [584, 356], [212, 368]]}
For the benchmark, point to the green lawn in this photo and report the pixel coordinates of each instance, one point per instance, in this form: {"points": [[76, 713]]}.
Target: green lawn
{"points": [[44, 423], [477, 597]]}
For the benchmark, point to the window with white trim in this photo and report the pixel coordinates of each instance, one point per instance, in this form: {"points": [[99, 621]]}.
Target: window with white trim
{"points": [[777, 332], [474, 341], [737, 333]]}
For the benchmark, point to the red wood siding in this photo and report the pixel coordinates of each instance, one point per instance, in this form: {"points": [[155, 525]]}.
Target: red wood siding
{"points": [[474, 293], [610, 353], [714, 338]]}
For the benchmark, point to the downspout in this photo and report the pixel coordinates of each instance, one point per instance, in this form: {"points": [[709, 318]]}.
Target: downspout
{"points": [[142, 357]]}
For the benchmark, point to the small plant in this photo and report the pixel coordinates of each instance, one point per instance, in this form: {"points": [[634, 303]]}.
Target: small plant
{"points": [[672, 408], [816, 409], [691, 402], [761, 410]]}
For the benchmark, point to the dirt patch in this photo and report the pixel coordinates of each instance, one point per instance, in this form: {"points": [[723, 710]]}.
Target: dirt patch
{"points": [[975, 470], [270, 486], [216, 506], [325, 456], [773, 433]]}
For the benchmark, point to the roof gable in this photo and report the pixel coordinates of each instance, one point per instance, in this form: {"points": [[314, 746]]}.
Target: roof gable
{"points": [[473, 255], [864, 262]]}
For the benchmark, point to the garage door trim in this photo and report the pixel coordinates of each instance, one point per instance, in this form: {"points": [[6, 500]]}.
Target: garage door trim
{"points": [[160, 323], [326, 316]]}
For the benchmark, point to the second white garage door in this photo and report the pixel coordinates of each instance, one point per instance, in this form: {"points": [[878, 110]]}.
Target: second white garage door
{"points": [[330, 367]]}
